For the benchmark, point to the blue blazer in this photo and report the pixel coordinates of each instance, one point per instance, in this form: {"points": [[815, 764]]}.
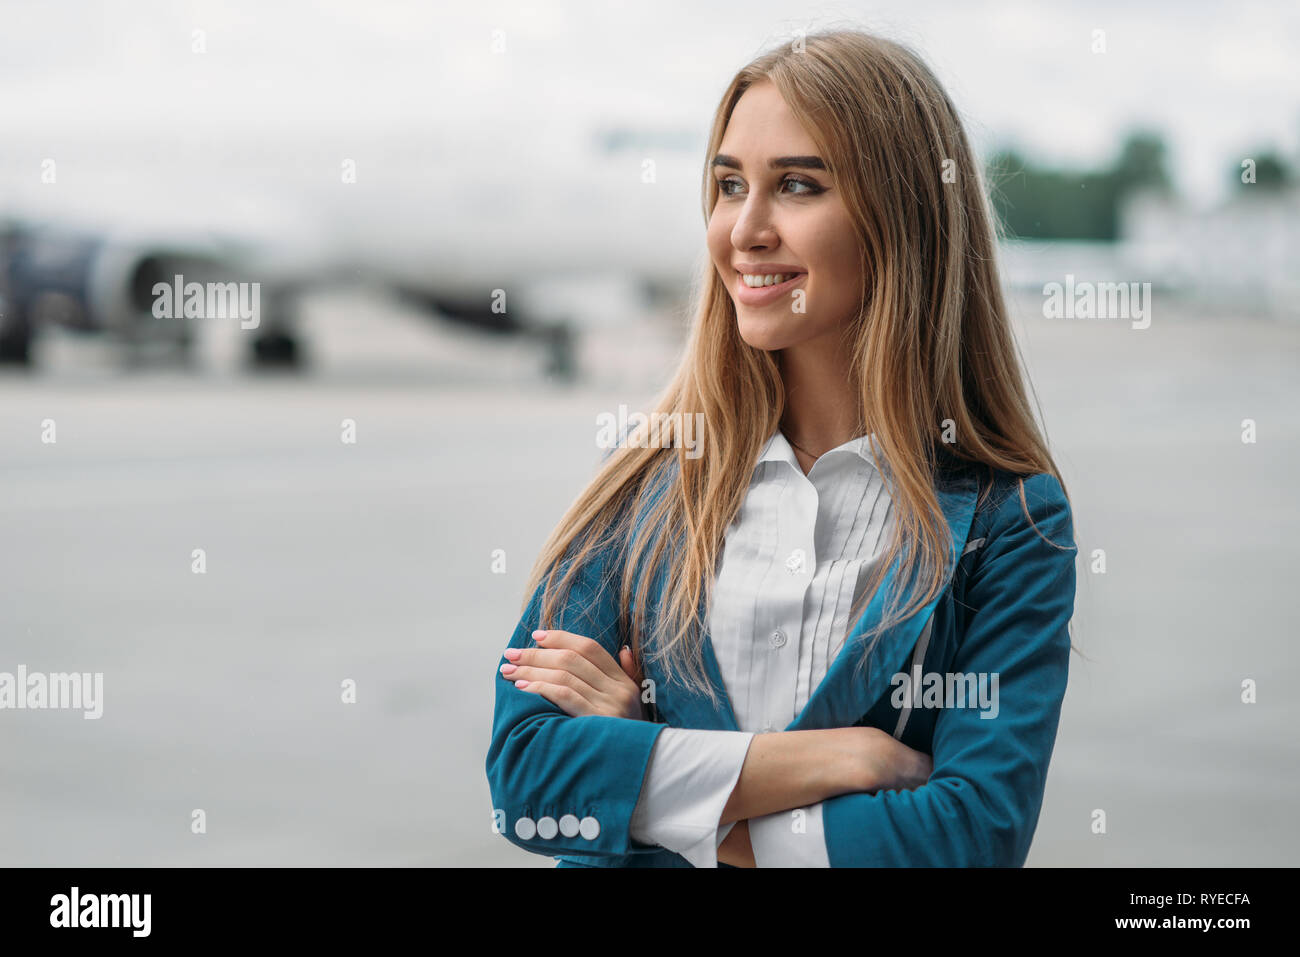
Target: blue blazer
{"points": [[566, 786]]}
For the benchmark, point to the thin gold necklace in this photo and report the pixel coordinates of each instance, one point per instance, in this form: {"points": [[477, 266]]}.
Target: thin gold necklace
{"points": [[800, 447]]}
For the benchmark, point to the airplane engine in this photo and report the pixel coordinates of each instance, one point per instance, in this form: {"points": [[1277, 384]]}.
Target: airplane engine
{"points": [[87, 284]]}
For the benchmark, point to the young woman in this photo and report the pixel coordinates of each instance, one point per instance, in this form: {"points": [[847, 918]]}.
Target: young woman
{"points": [[835, 633]]}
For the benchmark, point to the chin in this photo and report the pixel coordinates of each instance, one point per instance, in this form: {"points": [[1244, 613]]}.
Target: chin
{"points": [[768, 335]]}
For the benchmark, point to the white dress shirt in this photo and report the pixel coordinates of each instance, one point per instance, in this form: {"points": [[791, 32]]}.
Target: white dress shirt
{"points": [[795, 558]]}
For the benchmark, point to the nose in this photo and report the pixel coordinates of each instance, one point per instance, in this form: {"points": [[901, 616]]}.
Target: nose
{"points": [[753, 227]]}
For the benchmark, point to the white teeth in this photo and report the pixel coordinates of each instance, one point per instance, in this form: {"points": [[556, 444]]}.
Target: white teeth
{"points": [[772, 279]]}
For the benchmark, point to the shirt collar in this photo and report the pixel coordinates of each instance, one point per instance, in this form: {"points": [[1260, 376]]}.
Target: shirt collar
{"points": [[778, 449]]}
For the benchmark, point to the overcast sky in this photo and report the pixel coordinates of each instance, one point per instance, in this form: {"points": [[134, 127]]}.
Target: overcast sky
{"points": [[1219, 79]]}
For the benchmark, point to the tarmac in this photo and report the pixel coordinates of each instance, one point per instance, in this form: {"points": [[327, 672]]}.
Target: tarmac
{"points": [[328, 562]]}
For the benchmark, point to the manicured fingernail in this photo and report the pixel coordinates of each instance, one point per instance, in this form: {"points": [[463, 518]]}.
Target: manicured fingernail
{"points": [[625, 648], [539, 634], [521, 683], [512, 653], [508, 669]]}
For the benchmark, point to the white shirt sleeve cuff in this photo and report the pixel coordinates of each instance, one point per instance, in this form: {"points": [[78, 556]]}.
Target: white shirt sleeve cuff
{"points": [[792, 838], [688, 780]]}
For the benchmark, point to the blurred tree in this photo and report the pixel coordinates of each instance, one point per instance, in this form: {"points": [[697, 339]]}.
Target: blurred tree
{"points": [[1034, 202], [1269, 170], [1141, 164]]}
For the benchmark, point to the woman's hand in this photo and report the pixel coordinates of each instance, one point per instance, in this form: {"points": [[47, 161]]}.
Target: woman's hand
{"points": [[886, 764], [578, 675]]}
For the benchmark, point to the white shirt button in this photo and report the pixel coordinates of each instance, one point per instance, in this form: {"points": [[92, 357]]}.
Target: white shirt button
{"points": [[778, 638], [568, 825], [589, 828], [546, 828], [795, 563], [525, 828]]}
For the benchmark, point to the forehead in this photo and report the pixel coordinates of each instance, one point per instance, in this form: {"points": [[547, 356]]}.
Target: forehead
{"points": [[762, 125]]}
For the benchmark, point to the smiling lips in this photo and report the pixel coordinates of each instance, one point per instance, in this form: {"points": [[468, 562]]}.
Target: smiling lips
{"points": [[776, 281]]}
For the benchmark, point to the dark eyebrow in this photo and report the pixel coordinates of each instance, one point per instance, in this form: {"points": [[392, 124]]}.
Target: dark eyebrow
{"points": [[781, 162]]}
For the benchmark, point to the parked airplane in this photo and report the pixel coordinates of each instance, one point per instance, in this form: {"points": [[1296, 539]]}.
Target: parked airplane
{"points": [[501, 243]]}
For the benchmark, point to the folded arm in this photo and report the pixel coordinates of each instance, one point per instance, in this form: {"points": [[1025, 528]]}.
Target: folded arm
{"points": [[981, 804], [701, 782], [562, 784]]}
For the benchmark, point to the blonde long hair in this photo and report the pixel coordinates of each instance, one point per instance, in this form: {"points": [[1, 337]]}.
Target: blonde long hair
{"points": [[931, 342]]}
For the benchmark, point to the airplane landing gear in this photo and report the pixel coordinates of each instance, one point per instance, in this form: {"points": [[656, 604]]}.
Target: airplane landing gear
{"points": [[276, 349], [15, 339]]}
